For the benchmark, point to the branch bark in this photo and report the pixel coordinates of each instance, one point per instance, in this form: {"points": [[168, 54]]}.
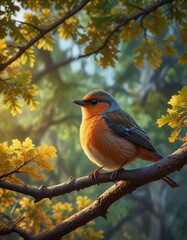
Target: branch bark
{"points": [[139, 177], [132, 179]]}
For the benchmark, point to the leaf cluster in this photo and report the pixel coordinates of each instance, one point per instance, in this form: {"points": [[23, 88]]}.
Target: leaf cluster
{"points": [[177, 115], [35, 216], [16, 85], [98, 29], [24, 158]]}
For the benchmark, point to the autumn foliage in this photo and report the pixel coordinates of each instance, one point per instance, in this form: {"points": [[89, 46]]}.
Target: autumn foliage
{"points": [[99, 29], [177, 115]]}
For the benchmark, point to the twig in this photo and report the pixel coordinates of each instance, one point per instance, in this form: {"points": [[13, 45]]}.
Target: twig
{"points": [[16, 170], [31, 25]]}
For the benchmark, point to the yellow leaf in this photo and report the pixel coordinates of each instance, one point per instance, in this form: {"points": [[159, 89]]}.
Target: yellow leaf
{"points": [[37, 176], [183, 93], [4, 151], [174, 135], [170, 50], [46, 43], [155, 61], [184, 139], [28, 57], [32, 172], [183, 59], [46, 12], [28, 169], [27, 144], [179, 101], [185, 121], [16, 162], [16, 108], [138, 61], [44, 153], [47, 151], [16, 180], [3, 51], [83, 38], [131, 30], [33, 104], [82, 202], [44, 164], [117, 10], [177, 114], [183, 33], [3, 45], [69, 28], [16, 145], [163, 120]]}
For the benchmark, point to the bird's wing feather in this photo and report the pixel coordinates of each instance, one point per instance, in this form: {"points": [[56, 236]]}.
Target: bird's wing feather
{"points": [[122, 124]]}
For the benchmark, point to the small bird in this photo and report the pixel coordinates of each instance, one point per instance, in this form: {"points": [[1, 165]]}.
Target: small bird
{"points": [[110, 137]]}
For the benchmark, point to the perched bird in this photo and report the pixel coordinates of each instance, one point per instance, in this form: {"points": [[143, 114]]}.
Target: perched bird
{"points": [[110, 137]]}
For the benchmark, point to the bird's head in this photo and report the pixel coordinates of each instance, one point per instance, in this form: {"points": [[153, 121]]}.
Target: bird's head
{"points": [[97, 102]]}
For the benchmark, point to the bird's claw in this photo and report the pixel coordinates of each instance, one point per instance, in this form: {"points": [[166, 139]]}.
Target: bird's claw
{"points": [[93, 175], [115, 174]]}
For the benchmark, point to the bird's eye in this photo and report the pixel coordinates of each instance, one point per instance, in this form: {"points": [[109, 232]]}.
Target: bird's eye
{"points": [[94, 102]]}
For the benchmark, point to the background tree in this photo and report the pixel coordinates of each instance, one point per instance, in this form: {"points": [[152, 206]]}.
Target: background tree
{"points": [[44, 64]]}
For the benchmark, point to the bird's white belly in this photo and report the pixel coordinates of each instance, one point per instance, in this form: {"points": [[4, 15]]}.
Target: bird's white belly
{"points": [[99, 159]]}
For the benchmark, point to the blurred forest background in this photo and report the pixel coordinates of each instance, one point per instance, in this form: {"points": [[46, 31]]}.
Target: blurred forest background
{"points": [[152, 212]]}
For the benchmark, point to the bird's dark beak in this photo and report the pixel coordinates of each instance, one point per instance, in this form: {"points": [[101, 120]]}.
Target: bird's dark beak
{"points": [[80, 102]]}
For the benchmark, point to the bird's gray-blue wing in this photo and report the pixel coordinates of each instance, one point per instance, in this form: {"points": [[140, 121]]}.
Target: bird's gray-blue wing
{"points": [[122, 124]]}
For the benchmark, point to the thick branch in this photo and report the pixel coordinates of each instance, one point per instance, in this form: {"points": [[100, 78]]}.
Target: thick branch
{"points": [[141, 176], [133, 179], [52, 68]]}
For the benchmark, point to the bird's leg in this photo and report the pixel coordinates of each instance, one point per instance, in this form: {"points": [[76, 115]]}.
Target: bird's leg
{"points": [[93, 175], [115, 174]]}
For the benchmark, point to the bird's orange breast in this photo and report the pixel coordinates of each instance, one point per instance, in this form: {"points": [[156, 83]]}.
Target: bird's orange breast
{"points": [[103, 147]]}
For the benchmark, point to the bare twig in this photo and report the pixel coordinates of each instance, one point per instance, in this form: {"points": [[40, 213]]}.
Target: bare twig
{"points": [[31, 25]]}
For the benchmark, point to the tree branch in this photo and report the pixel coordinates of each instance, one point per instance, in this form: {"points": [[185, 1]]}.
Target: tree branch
{"points": [[140, 176], [140, 13], [52, 68], [133, 179]]}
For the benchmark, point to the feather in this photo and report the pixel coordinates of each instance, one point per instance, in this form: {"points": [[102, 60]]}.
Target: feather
{"points": [[122, 124]]}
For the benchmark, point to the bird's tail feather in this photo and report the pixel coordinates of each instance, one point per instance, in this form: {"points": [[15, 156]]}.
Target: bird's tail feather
{"points": [[166, 179], [170, 182]]}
